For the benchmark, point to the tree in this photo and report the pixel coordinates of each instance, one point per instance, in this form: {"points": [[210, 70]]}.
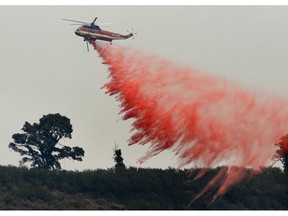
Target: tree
{"points": [[282, 153], [39, 144], [118, 158]]}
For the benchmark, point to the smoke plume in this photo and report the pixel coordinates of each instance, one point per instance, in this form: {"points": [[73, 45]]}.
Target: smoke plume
{"points": [[205, 120]]}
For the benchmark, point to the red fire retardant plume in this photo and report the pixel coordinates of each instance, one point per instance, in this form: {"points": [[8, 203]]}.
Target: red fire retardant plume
{"points": [[205, 120]]}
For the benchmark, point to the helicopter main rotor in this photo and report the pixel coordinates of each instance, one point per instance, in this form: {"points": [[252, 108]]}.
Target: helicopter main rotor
{"points": [[93, 23], [77, 22], [81, 22]]}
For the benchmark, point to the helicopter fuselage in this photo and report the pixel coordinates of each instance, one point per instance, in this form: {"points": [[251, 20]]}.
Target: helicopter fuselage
{"points": [[92, 33]]}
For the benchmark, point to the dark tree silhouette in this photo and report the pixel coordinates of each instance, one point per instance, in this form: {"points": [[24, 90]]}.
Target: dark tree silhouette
{"points": [[39, 144], [282, 153], [118, 158]]}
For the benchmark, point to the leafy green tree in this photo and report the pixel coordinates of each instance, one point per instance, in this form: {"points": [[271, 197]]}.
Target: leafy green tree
{"points": [[118, 158], [39, 144]]}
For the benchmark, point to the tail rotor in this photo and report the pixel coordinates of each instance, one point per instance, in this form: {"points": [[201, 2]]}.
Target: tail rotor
{"points": [[132, 32]]}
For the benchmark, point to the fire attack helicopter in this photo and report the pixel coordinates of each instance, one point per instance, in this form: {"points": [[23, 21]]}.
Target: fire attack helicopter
{"points": [[92, 32]]}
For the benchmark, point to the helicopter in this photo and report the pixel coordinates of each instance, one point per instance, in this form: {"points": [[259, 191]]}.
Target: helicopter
{"points": [[92, 32]]}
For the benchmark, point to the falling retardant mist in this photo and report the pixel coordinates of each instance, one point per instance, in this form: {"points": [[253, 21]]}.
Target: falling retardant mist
{"points": [[205, 120]]}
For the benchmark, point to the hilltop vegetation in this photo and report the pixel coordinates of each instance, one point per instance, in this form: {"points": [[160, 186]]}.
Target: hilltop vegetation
{"points": [[46, 186], [133, 188]]}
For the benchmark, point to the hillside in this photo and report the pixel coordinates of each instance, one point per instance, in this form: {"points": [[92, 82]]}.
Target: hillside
{"points": [[133, 188]]}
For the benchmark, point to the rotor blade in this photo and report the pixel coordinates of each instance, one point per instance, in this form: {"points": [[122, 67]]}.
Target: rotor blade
{"points": [[75, 21], [94, 20], [87, 45], [108, 23]]}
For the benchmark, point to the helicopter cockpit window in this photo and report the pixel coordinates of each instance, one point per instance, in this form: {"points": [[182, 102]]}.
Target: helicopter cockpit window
{"points": [[78, 29]]}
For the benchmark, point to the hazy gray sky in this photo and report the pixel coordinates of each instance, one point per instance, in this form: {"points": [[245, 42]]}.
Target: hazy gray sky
{"points": [[45, 67]]}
